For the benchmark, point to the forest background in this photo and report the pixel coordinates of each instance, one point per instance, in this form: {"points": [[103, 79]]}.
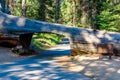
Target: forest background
{"points": [[94, 14]]}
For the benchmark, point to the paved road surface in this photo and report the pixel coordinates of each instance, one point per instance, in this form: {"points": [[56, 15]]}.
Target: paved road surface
{"points": [[41, 67], [7, 56]]}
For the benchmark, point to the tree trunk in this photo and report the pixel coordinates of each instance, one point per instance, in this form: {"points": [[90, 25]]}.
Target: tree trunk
{"points": [[87, 13], [42, 10], [24, 8], [11, 6], [2, 2], [90, 14], [57, 11], [74, 12], [84, 13]]}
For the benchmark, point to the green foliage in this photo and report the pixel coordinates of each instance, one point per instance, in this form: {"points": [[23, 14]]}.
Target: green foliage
{"points": [[50, 11], [45, 40], [32, 9], [66, 12], [42, 40], [109, 18]]}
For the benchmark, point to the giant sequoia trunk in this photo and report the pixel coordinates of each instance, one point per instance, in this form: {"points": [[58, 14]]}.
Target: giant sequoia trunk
{"points": [[80, 38]]}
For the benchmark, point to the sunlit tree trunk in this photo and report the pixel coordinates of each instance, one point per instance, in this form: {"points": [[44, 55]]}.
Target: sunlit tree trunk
{"points": [[90, 14], [23, 8], [87, 13], [74, 12], [11, 3], [84, 15]]}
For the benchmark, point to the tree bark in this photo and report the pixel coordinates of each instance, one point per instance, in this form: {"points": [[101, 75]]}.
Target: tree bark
{"points": [[11, 6], [24, 8], [90, 13], [84, 13], [78, 36], [42, 10], [74, 12], [57, 11]]}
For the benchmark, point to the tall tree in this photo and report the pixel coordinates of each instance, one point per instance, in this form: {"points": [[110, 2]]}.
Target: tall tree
{"points": [[24, 8], [83, 9], [74, 12], [2, 2], [4, 6], [41, 10], [57, 11], [11, 6]]}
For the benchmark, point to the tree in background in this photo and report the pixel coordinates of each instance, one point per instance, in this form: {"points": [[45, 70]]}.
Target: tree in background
{"points": [[24, 8], [4, 6], [80, 13], [109, 17], [11, 6], [66, 12], [41, 10], [96, 14], [57, 11]]}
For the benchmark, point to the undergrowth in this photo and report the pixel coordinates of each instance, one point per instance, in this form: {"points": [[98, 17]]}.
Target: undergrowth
{"points": [[46, 40]]}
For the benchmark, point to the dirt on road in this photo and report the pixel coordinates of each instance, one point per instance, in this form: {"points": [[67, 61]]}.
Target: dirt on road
{"points": [[91, 66]]}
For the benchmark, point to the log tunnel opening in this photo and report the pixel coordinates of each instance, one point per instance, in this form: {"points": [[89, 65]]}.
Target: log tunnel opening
{"points": [[12, 42], [25, 41]]}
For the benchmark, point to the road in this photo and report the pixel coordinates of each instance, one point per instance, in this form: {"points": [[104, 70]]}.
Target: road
{"points": [[41, 67]]}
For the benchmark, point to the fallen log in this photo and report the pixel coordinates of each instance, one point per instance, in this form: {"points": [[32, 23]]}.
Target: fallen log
{"points": [[8, 41], [80, 38]]}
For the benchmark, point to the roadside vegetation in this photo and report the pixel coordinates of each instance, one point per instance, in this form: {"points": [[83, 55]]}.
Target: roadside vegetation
{"points": [[46, 40]]}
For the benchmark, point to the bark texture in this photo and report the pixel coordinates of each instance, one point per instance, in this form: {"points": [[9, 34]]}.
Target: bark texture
{"points": [[87, 37]]}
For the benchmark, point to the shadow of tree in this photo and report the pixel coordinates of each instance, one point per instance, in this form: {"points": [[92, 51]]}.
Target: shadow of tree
{"points": [[37, 68], [103, 69]]}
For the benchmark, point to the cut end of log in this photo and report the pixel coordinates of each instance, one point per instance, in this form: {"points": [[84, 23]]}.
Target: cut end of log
{"points": [[8, 42]]}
